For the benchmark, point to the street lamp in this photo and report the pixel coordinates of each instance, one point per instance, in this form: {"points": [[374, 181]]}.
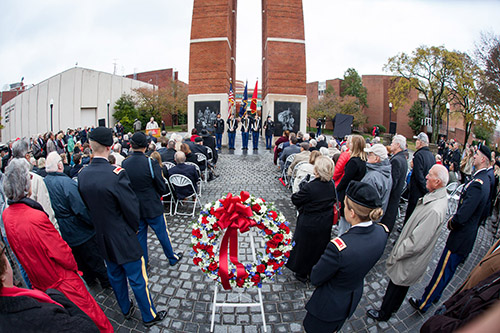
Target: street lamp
{"points": [[109, 125], [448, 119], [51, 115], [390, 113]]}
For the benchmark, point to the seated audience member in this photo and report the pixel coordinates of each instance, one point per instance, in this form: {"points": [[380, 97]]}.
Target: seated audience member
{"points": [[116, 153], [321, 142], [209, 141], [26, 310], [77, 167], [290, 150], [313, 145], [67, 168], [277, 150], [305, 171], [341, 269], [41, 167], [169, 153], [86, 156], [200, 148], [452, 174], [194, 134], [186, 170], [190, 157], [303, 156], [112, 160]]}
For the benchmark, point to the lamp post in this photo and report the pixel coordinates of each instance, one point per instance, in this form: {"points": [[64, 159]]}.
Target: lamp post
{"points": [[51, 115], [390, 116], [447, 119], [109, 125]]}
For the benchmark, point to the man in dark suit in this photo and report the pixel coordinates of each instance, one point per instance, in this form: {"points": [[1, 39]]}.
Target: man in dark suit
{"points": [[149, 185], [186, 170], [463, 225], [219, 130], [423, 160], [114, 211], [167, 155]]}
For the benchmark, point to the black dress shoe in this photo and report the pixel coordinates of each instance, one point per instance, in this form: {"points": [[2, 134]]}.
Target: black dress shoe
{"points": [[414, 303], [130, 312], [180, 255], [160, 315], [374, 314]]}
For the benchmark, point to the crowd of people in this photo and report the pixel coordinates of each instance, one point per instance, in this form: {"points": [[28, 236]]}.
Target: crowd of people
{"points": [[83, 201]]}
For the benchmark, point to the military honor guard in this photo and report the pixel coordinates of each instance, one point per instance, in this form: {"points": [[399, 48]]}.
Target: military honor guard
{"points": [[232, 126], [115, 213], [339, 273], [255, 126], [245, 129], [463, 231]]}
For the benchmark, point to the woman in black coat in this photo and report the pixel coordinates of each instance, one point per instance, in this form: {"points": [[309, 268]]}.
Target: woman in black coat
{"points": [[314, 202]]}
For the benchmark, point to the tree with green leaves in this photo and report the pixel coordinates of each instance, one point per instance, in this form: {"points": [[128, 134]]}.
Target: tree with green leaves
{"points": [[416, 116], [428, 70], [483, 133], [125, 111], [352, 85]]}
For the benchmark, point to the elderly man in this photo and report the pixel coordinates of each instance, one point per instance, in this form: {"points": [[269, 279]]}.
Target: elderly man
{"points": [[413, 250], [117, 148], [152, 124], [186, 170], [149, 185], [114, 209], [378, 172], [332, 148], [423, 160], [399, 168], [303, 156], [74, 222], [463, 225], [290, 150]]}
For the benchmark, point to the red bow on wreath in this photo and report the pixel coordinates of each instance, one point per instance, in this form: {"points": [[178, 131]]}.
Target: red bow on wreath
{"points": [[234, 216]]}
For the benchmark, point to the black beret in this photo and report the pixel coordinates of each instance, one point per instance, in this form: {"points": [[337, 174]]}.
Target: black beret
{"points": [[363, 194], [139, 139], [198, 139], [486, 151], [102, 135]]}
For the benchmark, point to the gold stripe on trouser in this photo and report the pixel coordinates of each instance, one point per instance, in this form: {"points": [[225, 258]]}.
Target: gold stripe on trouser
{"points": [[168, 236], [437, 280], [145, 276]]}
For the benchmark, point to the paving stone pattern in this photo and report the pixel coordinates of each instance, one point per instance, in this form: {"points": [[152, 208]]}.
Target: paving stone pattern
{"points": [[187, 295]]}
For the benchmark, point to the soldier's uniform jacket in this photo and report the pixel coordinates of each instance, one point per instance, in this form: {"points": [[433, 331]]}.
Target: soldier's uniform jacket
{"points": [[245, 124], [114, 210], [147, 182], [340, 271], [465, 223], [255, 124], [232, 125]]}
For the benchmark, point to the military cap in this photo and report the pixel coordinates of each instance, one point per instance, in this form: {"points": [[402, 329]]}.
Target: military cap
{"points": [[486, 151], [102, 135], [139, 139], [363, 194], [198, 139]]}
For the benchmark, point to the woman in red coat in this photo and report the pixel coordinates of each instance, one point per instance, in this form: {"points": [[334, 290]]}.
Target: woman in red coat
{"points": [[45, 256]]}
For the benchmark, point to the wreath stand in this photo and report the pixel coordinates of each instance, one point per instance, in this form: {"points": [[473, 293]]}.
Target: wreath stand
{"points": [[238, 304]]}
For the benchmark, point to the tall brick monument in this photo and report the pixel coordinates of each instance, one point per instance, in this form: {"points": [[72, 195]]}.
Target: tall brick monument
{"points": [[213, 62]]}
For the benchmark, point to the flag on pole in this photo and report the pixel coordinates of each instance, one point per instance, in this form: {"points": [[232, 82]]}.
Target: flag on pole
{"points": [[244, 101], [230, 100], [253, 104]]}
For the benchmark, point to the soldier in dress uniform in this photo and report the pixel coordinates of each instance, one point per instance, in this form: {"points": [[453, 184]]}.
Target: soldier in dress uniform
{"points": [[255, 126], [340, 271], [245, 129], [463, 225], [219, 130], [232, 125], [114, 211], [149, 185]]}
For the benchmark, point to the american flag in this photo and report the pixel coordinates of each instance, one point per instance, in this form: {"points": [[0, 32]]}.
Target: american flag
{"points": [[230, 100]]}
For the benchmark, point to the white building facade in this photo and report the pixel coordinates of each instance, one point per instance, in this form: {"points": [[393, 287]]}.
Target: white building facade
{"points": [[77, 97]]}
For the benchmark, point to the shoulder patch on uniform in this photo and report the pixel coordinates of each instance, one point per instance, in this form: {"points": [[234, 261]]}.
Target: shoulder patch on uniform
{"points": [[385, 227], [480, 181], [117, 170], [339, 243]]}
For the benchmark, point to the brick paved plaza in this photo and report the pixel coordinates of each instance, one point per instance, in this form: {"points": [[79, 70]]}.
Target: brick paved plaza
{"points": [[186, 293]]}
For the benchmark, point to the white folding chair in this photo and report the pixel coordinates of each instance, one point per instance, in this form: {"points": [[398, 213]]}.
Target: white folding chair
{"points": [[168, 198], [168, 165], [294, 173], [210, 154], [453, 199], [199, 175], [288, 161], [183, 181], [203, 159]]}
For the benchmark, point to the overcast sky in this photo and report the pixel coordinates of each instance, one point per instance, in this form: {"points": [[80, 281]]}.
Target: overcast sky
{"points": [[39, 39]]}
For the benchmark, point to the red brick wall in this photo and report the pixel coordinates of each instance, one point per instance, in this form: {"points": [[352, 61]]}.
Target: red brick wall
{"points": [[312, 92], [336, 84], [160, 78], [284, 63], [8, 95]]}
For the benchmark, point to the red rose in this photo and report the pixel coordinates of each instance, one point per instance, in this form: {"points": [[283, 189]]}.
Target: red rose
{"points": [[204, 220], [216, 227], [272, 244], [276, 266], [277, 253], [210, 250], [269, 232], [278, 238], [268, 250], [196, 233], [261, 268], [240, 282], [212, 211], [256, 208], [260, 226], [230, 275], [287, 254], [196, 260], [273, 214], [212, 267], [195, 248], [255, 279]]}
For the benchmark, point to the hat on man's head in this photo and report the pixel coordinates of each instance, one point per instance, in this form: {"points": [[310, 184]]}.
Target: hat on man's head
{"points": [[379, 150], [204, 132], [486, 151], [139, 139], [363, 194], [422, 137], [102, 135], [198, 139]]}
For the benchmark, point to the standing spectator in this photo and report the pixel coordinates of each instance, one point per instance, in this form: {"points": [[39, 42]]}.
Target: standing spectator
{"points": [[399, 169], [60, 145], [152, 124], [119, 129], [149, 185], [341, 162], [51, 144], [463, 225], [162, 125], [116, 153], [269, 132], [42, 252], [74, 222], [454, 157], [466, 164], [423, 160], [232, 125], [314, 202], [219, 130], [318, 126], [66, 166], [77, 158], [413, 250], [137, 125], [339, 273], [114, 211]]}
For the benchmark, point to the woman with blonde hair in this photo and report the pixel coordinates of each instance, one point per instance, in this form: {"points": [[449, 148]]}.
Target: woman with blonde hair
{"points": [[355, 169], [304, 170], [339, 273], [314, 201]]}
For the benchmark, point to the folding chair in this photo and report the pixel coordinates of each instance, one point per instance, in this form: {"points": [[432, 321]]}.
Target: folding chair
{"points": [[168, 198], [288, 161], [294, 173], [199, 175], [168, 165], [183, 181], [203, 159], [453, 199], [210, 154]]}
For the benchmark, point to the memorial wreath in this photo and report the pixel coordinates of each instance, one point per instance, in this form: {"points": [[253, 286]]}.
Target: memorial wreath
{"points": [[226, 217]]}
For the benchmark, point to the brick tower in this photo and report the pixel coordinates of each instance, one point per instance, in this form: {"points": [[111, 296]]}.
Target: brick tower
{"points": [[212, 59], [284, 64]]}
